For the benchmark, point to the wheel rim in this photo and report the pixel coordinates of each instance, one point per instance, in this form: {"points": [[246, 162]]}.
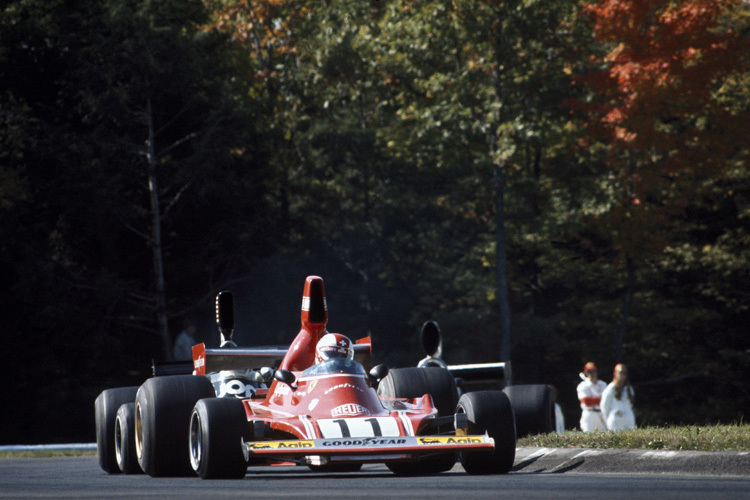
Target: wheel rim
{"points": [[138, 431], [196, 441], [118, 440]]}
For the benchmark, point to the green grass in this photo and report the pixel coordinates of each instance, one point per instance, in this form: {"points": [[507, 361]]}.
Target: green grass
{"points": [[46, 454], [715, 438]]}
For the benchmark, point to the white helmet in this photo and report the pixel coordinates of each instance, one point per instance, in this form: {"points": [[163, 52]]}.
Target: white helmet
{"points": [[333, 345]]}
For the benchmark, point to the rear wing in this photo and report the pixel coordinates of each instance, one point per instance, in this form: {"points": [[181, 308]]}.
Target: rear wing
{"points": [[253, 358], [214, 360], [485, 374]]}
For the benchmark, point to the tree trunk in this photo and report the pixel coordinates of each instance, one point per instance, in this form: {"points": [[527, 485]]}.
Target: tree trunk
{"points": [[156, 248], [502, 278], [619, 332]]}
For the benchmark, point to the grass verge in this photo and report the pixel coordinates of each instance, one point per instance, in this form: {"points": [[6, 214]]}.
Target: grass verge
{"points": [[46, 454], [711, 438]]}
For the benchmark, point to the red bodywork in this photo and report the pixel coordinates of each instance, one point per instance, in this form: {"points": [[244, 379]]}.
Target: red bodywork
{"points": [[332, 417]]}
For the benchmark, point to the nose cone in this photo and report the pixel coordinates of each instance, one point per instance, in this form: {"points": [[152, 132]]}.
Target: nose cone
{"points": [[314, 307]]}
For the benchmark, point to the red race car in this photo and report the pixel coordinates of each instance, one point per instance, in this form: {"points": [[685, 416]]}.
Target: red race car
{"points": [[321, 410]]}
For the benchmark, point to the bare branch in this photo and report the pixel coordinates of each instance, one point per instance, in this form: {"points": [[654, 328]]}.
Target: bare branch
{"points": [[176, 144], [176, 198]]}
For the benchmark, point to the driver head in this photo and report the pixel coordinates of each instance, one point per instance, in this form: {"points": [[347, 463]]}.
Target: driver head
{"points": [[333, 345]]}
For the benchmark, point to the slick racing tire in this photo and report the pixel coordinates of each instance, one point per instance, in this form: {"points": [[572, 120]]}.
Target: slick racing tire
{"points": [[218, 427], [162, 423], [416, 382], [105, 409], [533, 408], [127, 460], [490, 412]]}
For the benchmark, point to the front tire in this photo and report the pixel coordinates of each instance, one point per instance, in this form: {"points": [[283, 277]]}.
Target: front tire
{"points": [[490, 412], [162, 423], [127, 460], [218, 427], [105, 411]]}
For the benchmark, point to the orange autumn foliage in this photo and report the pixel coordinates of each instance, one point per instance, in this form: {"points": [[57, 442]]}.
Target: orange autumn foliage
{"points": [[654, 106], [266, 28]]}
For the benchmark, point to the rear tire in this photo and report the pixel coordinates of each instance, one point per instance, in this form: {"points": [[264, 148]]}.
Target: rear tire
{"points": [[162, 423], [416, 382], [490, 412], [533, 408], [127, 460], [413, 383], [218, 427], [105, 410]]}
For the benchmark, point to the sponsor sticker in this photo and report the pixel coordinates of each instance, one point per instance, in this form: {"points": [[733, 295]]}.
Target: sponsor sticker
{"points": [[428, 440], [343, 386], [349, 409], [370, 441], [278, 445]]}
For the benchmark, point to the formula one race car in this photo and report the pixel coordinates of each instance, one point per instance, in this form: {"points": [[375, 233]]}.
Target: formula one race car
{"points": [[533, 404], [321, 410]]}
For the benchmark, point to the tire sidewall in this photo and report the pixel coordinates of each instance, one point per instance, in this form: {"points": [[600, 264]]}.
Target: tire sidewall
{"points": [[127, 459], [219, 426], [105, 412]]}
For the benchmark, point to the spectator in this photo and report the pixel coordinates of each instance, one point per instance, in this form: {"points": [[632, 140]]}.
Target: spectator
{"points": [[559, 417], [590, 394], [183, 344], [617, 401]]}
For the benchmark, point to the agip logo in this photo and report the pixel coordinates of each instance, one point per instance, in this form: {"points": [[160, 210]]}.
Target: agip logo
{"points": [[349, 409]]}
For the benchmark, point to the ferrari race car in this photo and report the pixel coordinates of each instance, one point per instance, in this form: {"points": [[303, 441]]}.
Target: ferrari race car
{"points": [[326, 413]]}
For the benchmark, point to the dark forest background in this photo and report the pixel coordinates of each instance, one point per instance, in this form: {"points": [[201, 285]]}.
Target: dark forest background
{"points": [[520, 167]]}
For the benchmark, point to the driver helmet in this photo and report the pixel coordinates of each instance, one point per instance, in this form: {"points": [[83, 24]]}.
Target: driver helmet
{"points": [[333, 345]]}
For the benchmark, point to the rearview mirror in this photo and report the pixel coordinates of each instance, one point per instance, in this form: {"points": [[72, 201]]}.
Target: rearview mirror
{"points": [[286, 377]]}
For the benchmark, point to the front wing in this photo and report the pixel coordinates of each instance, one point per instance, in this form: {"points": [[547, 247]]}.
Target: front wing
{"points": [[397, 446]]}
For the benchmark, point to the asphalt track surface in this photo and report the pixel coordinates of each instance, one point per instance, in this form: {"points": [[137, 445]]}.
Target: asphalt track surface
{"points": [[538, 473]]}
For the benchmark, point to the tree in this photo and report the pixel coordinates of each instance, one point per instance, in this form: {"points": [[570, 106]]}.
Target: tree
{"points": [[667, 135], [475, 87]]}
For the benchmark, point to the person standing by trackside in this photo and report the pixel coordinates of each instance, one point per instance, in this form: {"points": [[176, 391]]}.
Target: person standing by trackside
{"points": [[617, 401], [590, 394]]}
